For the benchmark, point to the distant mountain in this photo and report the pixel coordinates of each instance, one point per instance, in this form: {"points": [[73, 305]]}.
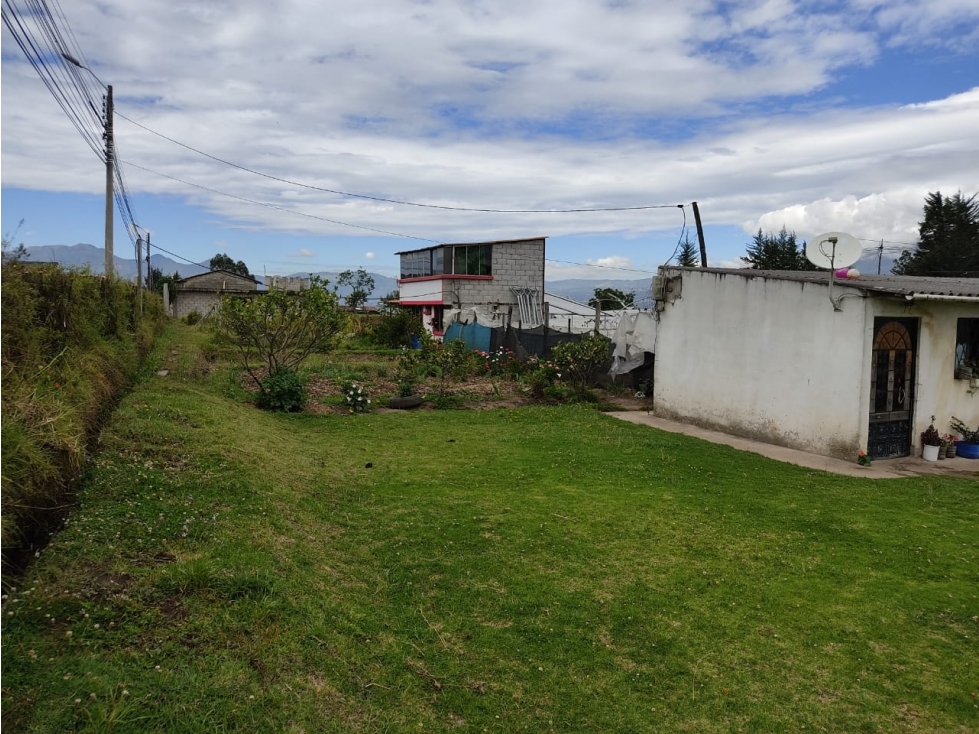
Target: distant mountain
{"points": [[82, 256]]}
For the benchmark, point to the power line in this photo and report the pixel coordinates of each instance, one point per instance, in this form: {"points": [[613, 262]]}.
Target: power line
{"points": [[274, 206], [395, 201]]}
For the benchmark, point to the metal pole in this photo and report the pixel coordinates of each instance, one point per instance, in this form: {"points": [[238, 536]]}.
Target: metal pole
{"points": [[700, 235], [109, 154]]}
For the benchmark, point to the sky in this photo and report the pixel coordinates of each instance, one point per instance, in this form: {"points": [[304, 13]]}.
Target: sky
{"points": [[817, 116]]}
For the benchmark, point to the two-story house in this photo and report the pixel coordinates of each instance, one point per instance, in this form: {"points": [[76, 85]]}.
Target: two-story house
{"points": [[494, 280]]}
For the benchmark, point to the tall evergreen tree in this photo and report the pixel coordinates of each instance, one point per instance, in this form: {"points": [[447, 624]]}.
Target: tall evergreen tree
{"points": [[948, 239], [769, 251], [688, 256]]}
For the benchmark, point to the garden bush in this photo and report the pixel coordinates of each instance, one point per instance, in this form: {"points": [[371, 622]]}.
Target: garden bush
{"points": [[284, 390]]}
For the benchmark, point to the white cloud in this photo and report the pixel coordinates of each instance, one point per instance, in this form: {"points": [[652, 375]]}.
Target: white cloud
{"points": [[303, 253], [369, 255], [470, 104]]}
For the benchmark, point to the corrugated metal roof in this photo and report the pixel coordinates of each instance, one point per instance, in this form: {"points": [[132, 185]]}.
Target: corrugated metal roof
{"points": [[894, 285]]}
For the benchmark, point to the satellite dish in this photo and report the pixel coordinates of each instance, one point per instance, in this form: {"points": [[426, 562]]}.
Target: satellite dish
{"points": [[833, 250]]}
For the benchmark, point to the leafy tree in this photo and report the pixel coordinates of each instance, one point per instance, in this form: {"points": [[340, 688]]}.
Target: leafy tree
{"points": [[769, 251], [361, 285], [278, 330], [689, 256], [158, 279], [222, 262], [612, 299], [391, 302], [948, 239]]}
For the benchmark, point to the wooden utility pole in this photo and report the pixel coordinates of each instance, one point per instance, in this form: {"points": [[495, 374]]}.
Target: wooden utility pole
{"points": [[149, 264], [109, 155], [139, 271], [700, 235], [880, 255]]}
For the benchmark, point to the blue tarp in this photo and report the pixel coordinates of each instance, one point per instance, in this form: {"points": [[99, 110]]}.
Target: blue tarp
{"points": [[474, 335]]}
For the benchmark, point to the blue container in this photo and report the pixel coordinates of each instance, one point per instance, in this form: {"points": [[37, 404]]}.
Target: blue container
{"points": [[967, 450]]}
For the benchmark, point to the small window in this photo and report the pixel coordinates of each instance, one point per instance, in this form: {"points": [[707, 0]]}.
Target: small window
{"points": [[967, 349]]}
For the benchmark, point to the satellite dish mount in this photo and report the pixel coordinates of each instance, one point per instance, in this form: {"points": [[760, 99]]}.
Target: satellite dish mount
{"points": [[834, 250]]}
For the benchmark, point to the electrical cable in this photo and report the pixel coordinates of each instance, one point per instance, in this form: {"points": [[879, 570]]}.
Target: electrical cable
{"points": [[274, 206], [30, 47], [394, 201]]}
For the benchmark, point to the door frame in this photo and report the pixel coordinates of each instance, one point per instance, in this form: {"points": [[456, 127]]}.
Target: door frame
{"points": [[913, 327]]}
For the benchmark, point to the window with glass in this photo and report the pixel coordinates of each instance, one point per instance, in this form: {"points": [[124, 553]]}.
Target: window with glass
{"points": [[967, 349], [472, 260], [421, 263]]}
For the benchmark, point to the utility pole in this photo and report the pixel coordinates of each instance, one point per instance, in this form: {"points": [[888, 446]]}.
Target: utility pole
{"points": [[149, 264], [139, 271], [880, 255], [109, 155], [700, 235]]}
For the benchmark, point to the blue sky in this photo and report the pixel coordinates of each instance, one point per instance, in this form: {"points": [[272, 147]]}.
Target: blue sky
{"points": [[817, 116]]}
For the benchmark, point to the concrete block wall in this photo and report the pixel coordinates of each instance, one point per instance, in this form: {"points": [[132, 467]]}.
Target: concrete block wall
{"points": [[515, 265], [204, 302]]}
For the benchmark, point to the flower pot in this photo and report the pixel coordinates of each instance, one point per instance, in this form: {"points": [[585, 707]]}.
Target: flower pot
{"points": [[930, 453], [950, 450], [967, 450], [406, 401]]}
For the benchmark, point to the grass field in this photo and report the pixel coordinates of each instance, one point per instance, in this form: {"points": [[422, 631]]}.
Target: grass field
{"points": [[531, 569]]}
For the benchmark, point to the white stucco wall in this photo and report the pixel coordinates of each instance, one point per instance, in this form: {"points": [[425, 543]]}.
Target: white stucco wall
{"points": [[765, 358], [420, 291], [771, 359]]}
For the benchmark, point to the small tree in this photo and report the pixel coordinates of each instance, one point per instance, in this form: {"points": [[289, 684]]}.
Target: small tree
{"points": [[222, 262], [579, 360], [361, 285], [688, 256], [612, 299], [278, 330], [158, 279], [12, 252]]}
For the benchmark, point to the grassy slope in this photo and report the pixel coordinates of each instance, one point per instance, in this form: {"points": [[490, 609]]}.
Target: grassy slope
{"points": [[544, 569]]}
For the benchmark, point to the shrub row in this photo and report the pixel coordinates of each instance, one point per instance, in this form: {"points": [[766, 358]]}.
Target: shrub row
{"points": [[71, 342]]}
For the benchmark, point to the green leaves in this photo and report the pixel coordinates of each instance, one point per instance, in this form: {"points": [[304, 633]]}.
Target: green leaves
{"points": [[948, 242], [278, 330]]}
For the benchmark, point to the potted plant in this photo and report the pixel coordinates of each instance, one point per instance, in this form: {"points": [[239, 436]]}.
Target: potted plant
{"points": [[931, 442], [967, 446]]}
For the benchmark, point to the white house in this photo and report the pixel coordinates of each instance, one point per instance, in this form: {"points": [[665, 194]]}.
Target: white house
{"points": [[497, 280], [775, 356]]}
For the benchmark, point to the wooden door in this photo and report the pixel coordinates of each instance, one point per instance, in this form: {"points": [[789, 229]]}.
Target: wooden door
{"points": [[892, 387]]}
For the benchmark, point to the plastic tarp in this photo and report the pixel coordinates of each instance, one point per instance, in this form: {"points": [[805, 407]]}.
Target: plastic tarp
{"points": [[476, 336], [635, 336]]}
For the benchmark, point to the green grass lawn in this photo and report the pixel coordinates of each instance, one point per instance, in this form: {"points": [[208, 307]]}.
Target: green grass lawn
{"points": [[532, 569]]}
